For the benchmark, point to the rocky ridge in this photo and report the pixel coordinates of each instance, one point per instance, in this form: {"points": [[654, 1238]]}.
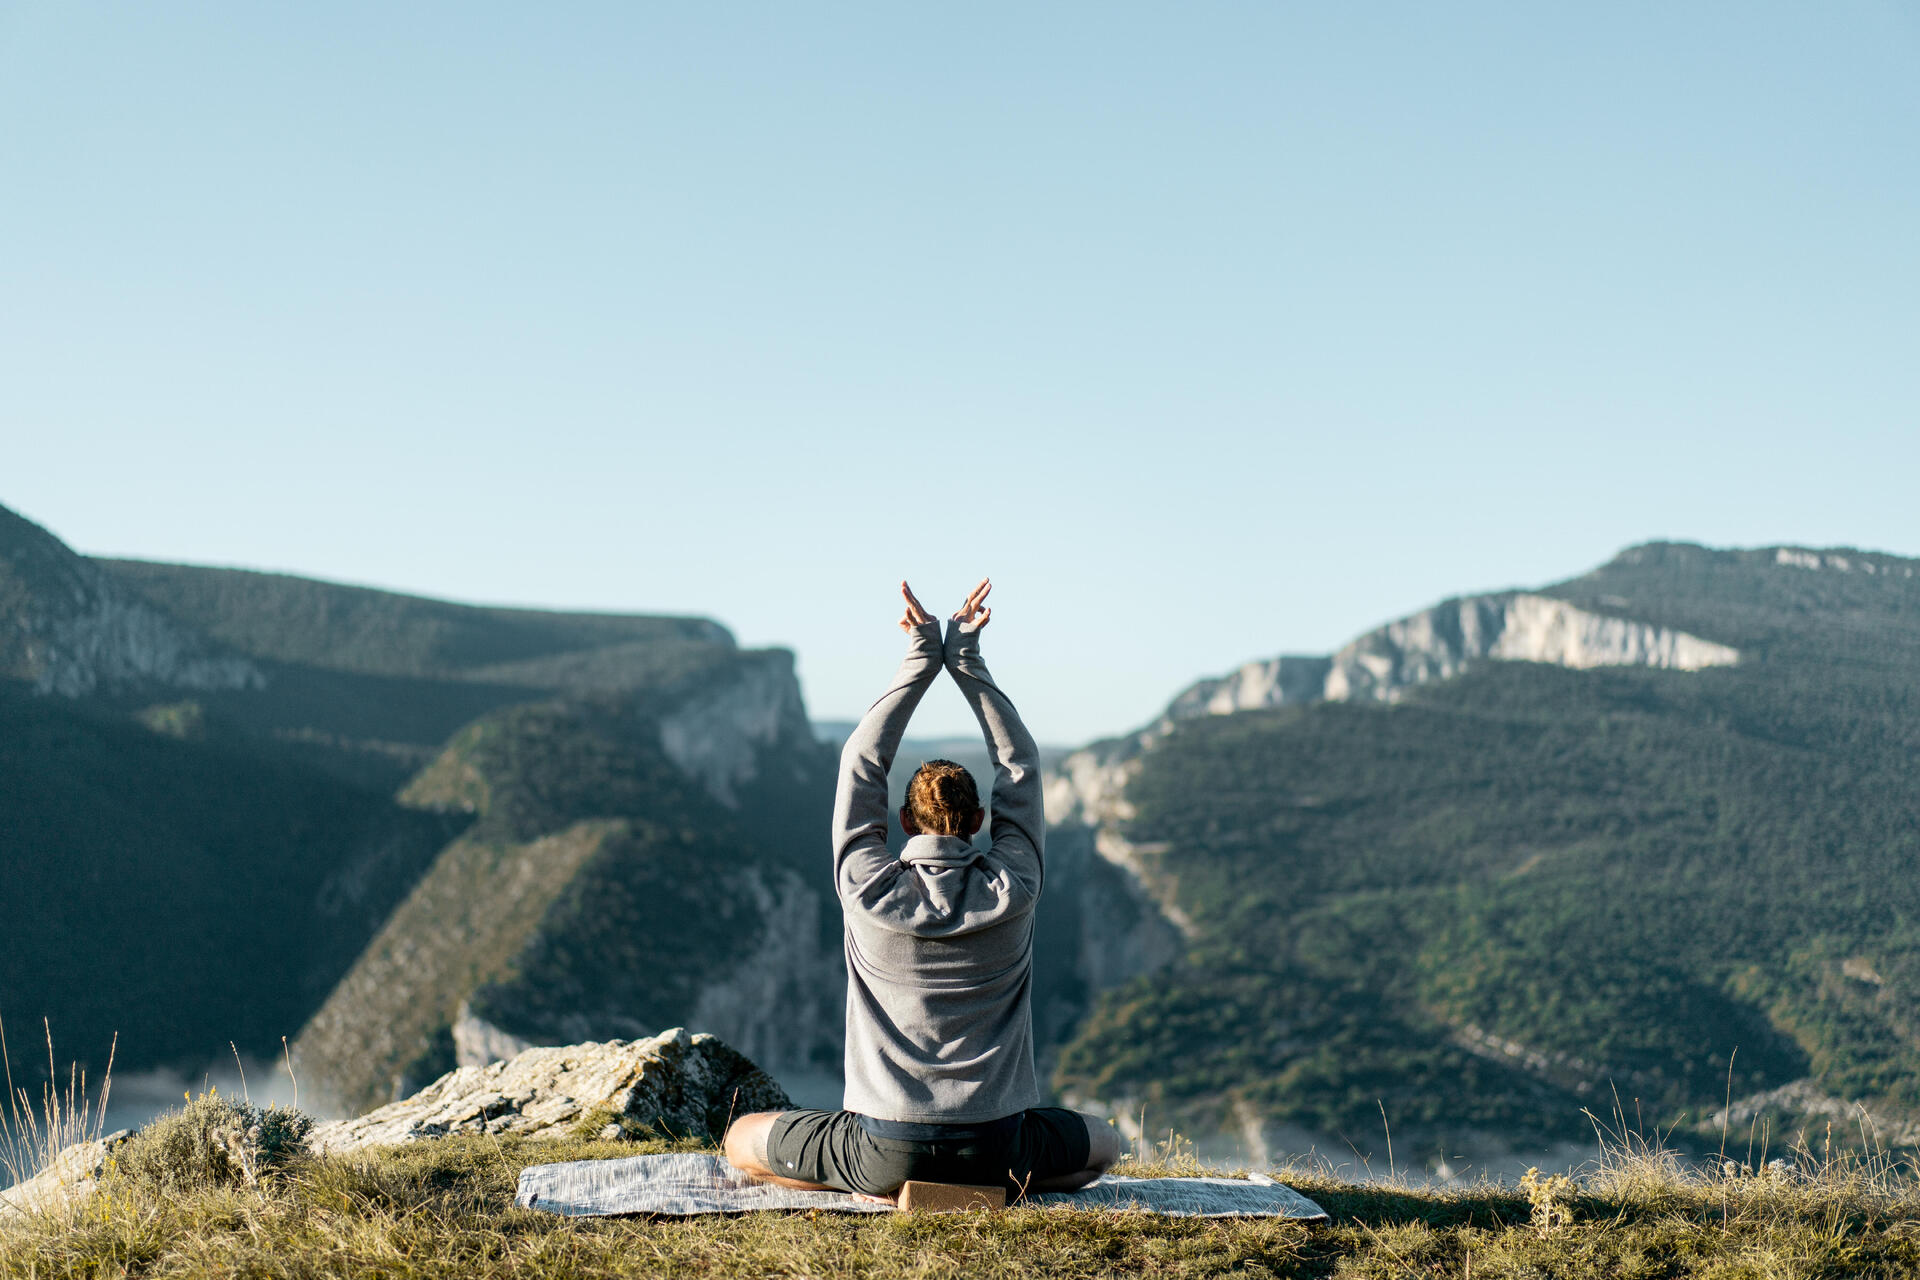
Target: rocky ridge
{"points": [[1086, 792], [632, 864], [1381, 666], [71, 629]]}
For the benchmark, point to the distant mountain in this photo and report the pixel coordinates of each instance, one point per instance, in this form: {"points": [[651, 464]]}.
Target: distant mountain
{"points": [[1385, 664], [208, 798], [328, 627], [68, 626], [244, 805], [1650, 830], [632, 864]]}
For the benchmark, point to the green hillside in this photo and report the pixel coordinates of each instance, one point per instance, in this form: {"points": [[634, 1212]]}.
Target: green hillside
{"points": [[369, 685], [181, 893], [596, 895], [236, 805], [1514, 892], [333, 627], [200, 831]]}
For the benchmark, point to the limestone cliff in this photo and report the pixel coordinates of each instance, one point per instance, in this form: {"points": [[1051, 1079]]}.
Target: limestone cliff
{"points": [[70, 628], [1381, 666], [723, 733], [1087, 791], [1443, 641]]}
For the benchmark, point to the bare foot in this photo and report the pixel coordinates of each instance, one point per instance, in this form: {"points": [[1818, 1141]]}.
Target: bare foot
{"points": [[888, 1201]]}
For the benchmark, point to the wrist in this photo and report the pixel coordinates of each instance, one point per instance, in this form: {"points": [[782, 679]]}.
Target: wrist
{"points": [[960, 640], [924, 638]]}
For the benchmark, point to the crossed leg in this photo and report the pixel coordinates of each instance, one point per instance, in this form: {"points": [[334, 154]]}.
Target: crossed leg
{"points": [[1103, 1148], [746, 1148]]}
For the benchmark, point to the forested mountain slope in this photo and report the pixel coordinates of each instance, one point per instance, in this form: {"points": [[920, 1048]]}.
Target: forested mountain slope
{"points": [[597, 895], [1492, 894], [201, 825], [1649, 831]]}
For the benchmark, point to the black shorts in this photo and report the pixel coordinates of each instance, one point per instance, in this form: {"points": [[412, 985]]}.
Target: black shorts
{"points": [[837, 1149]]}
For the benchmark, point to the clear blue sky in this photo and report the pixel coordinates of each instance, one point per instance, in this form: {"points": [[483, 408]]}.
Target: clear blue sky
{"points": [[1211, 331]]}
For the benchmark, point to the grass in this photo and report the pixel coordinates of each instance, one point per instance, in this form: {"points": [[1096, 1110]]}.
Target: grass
{"points": [[33, 1132], [445, 1208]]}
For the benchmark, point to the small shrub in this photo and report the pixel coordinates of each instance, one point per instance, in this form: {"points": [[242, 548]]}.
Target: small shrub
{"points": [[213, 1141], [1548, 1194], [183, 720]]}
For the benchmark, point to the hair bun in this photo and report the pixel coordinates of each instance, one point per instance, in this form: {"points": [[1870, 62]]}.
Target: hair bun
{"points": [[942, 798]]}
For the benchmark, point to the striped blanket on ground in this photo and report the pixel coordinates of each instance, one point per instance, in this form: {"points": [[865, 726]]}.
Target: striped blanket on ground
{"points": [[692, 1183]]}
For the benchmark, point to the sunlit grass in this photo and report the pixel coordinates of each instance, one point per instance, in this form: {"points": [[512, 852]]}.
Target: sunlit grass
{"points": [[444, 1207], [34, 1131]]}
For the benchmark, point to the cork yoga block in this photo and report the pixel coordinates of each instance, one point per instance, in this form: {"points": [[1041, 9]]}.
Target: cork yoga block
{"points": [[949, 1197]]}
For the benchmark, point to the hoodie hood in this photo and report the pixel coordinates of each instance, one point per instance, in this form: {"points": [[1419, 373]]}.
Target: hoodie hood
{"points": [[938, 852]]}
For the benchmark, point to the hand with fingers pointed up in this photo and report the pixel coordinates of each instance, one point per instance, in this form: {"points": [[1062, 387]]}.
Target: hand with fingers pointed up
{"points": [[973, 613], [915, 615]]}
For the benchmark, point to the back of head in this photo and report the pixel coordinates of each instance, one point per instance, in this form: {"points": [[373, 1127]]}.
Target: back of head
{"points": [[943, 799]]}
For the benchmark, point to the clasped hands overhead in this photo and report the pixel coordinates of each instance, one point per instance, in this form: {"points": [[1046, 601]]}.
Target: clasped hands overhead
{"points": [[972, 614]]}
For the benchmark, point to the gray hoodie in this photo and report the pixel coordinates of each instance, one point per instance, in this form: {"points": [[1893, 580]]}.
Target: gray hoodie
{"points": [[939, 940]]}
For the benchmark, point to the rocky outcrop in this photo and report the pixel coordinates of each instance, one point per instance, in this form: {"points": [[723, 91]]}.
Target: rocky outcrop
{"points": [[1087, 791], [1381, 666], [70, 628], [673, 1085], [784, 1000], [1838, 562], [69, 1178], [1098, 927], [1444, 641], [1284, 680], [1803, 1103], [1089, 787], [719, 734]]}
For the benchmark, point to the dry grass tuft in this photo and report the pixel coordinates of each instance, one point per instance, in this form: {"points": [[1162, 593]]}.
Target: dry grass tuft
{"points": [[444, 1208], [33, 1133]]}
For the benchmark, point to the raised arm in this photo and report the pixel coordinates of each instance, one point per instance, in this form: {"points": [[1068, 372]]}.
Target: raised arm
{"points": [[1019, 813], [860, 804]]}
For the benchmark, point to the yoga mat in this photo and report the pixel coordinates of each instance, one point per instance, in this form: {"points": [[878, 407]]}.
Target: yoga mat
{"points": [[693, 1183]]}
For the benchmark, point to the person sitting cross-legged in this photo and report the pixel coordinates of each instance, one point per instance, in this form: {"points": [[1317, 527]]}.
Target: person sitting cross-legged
{"points": [[939, 943]]}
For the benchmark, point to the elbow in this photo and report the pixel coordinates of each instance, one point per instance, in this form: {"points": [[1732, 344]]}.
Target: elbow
{"points": [[864, 762]]}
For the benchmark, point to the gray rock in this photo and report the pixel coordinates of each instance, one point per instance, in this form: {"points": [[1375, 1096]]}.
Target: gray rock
{"points": [[69, 1178], [478, 1043], [719, 734], [674, 1085]]}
